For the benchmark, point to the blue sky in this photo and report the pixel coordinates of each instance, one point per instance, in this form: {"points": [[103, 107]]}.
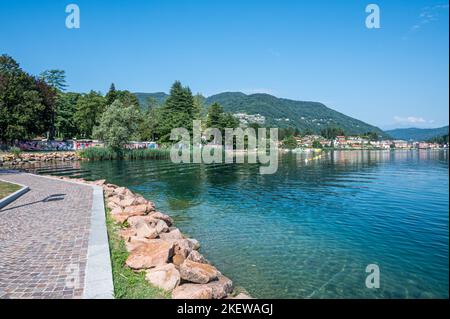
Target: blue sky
{"points": [[395, 76]]}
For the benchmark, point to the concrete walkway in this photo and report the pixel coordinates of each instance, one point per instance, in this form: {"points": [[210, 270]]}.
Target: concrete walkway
{"points": [[45, 239]]}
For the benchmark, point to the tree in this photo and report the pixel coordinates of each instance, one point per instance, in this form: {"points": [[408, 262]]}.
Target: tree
{"points": [[66, 106], [215, 114], [54, 78], [198, 105], [332, 132], [111, 95], [89, 109], [26, 103], [177, 111], [316, 144], [289, 142], [117, 125]]}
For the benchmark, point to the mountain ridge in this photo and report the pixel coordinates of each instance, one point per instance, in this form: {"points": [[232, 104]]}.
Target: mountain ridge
{"points": [[281, 112], [418, 134]]}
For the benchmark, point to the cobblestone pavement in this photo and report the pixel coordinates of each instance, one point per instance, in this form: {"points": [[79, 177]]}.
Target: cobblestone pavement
{"points": [[44, 238]]}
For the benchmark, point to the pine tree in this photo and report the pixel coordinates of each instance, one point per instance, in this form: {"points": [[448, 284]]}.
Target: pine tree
{"points": [[111, 96]]}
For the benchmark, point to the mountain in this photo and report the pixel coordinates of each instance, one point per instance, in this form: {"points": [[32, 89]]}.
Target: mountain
{"points": [[279, 112], [417, 134]]}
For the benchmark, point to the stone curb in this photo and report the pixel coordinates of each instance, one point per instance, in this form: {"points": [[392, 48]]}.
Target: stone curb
{"points": [[12, 197]]}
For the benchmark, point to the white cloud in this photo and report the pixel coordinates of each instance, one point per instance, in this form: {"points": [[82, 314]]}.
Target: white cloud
{"points": [[411, 120], [426, 16]]}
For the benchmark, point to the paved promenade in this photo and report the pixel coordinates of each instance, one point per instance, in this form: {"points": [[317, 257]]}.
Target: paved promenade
{"points": [[44, 238]]}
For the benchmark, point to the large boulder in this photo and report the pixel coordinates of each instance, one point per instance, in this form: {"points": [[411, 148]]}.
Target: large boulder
{"points": [[120, 218], [198, 272], [164, 217], [221, 287], [127, 233], [197, 257], [192, 291], [133, 242], [135, 210], [154, 253], [134, 221], [116, 210], [166, 277], [172, 234], [146, 231], [161, 227], [183, 247]]}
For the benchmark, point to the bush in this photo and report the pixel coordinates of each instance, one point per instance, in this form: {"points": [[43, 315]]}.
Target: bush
{"points": [[105, 153], [15, 151]]}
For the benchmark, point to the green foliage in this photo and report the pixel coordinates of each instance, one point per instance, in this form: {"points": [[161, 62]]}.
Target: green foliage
{"points": [[15, 151], [89, 109], [127, 283], [332, 132], [117, 125], [104, 153], [111, 96], [289, 142], [178, 111], [66, 107], [54, 78], [439, 139], [316, 144], [417, 134], [26, 103]]}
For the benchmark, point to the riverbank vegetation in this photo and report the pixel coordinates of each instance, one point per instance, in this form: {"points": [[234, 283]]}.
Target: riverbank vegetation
{"points": [[128, 284], [107, 153]]}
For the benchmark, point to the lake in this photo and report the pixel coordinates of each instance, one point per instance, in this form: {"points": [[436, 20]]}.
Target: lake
{"points": [[310, 230]]}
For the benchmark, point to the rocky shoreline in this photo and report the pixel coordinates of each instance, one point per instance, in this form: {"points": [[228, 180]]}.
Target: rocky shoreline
{"points": [[9, 159], [170, 260]]}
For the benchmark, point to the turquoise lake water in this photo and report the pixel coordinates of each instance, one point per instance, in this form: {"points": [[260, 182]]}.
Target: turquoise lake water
{"points": [[310, 230]]}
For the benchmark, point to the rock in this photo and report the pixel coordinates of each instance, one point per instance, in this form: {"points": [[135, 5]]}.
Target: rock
{"points": [[116, 210], [134, 221], [164, 217], [197, 257], [182, 247], [134, 242], [198, 272], [120, 218], [122, 191], [127, 201], [166, 277], [126, 233], [146, 231], [192, 291], [161, 227], [194, 243], [116, 199], [172, 234], [135, 210], [112, 205], [177, 259], [100, 182], [139, 200], [221, 287], [154, 253]]}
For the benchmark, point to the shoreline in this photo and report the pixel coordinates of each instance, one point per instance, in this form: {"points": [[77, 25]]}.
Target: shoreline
{"points": [[155, 246], [8, 159]]}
